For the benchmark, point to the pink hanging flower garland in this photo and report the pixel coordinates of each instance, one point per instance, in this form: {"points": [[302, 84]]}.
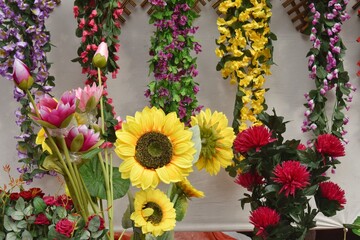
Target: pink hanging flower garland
{"points": [[98, 22], [326, 68]]}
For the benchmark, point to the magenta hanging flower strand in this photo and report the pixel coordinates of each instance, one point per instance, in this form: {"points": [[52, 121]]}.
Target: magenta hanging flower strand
{"points": [[327, 70]]}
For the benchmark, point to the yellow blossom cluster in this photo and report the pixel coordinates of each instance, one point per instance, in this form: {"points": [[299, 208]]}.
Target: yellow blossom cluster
{"points": [[245, 49]]}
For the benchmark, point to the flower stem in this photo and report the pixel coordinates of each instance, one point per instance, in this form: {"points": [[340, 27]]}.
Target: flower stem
{"points": [[77, 183], [68, 173], [107, 169]]}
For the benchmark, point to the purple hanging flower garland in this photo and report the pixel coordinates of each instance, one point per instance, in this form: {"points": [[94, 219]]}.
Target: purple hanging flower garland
{"points": [[174, 68], [23, 35], [326, 68]]}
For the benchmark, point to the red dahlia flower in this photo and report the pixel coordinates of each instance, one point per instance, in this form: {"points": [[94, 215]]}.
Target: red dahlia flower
{"points": [[254, 137], [249, 180], [329, 145], [292, 175], [262, 218], [333, 192]]}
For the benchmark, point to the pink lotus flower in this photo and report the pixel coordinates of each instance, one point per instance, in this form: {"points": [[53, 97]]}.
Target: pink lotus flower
{"points": [[21, 75], [55, 114], [101, 55], [88, 97], [81, 139]]}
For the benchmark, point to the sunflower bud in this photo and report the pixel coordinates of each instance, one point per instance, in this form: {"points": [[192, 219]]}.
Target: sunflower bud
{"points": [[101, 55], [21, 75]]}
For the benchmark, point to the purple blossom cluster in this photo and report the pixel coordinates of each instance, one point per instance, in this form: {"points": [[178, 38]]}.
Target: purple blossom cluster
{"points": [[23, 35], [173, 66], [328, 74]]}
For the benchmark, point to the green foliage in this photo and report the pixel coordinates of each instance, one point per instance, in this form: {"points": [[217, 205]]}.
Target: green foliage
{"points": [[95, 182]]}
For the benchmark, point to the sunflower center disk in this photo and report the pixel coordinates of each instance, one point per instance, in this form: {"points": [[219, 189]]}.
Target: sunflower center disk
{"points": [[157, 215], [153, 150], [208, 142]]}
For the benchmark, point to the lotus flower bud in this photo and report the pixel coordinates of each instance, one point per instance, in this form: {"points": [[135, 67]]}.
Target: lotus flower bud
{"points": [[21, 75], [88, 98], [101, 55], [82, 139]]}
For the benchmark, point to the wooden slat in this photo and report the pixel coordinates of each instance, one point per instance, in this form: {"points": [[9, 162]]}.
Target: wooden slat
{"points": [[298, 11]]}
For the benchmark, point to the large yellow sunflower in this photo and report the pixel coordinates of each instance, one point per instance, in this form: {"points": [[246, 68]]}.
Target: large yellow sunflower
{"points": [[216, 141], [153, 212], [154, 147]]}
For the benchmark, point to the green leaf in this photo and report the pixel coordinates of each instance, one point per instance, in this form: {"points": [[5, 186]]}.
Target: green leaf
{"points": [[26, 235], [7, 223], [28, 211], [320, 72], [310, 190], [181, 206], [39, 205], [169, 235], [20, 205], [91, 154], [61, 212], [85, 235], [94, 180], [356, 222], [22, 224], [2, 235], [17, 215], [126, 221], [181, 38], [11, 236], [94, 224]]}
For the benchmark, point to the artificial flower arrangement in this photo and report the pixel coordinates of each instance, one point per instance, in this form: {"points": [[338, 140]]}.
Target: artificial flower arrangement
{"points": [[155, 147], [77, 131], [283, 176], [29, 214]]}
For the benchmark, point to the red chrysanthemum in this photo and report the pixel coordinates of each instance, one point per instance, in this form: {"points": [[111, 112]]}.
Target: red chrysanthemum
{"points": [[249, 180], [292, 175], [262, 218], [329, 145], [254, 137], [332, 191]]}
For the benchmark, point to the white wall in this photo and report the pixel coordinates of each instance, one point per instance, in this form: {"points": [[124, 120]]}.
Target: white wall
{"points": [[220, 210]]}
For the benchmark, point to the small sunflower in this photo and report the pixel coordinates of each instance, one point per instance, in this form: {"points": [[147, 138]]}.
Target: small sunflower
{"points": [[154, 212], [216, 141], [189, 189], [154, 147]]}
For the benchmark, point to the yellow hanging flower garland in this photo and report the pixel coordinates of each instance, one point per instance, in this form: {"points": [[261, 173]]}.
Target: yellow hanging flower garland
{"points": [[245, 50]]}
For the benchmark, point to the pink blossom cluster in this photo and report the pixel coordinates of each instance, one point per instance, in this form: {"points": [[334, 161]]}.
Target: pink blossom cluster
{"points": [[326, 68]]}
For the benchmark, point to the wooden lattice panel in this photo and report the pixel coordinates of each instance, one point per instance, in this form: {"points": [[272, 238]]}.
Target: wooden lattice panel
{"points": [[216, 5], [298, 11], [126, 10], [151, 9]]}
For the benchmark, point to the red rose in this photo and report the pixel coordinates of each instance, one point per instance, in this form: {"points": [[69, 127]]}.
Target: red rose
{"points": [[64, 201], [36, 192], [102, 222], [14, 196], [41, 219], [26, 195], [65, 227], [49, 200]]}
